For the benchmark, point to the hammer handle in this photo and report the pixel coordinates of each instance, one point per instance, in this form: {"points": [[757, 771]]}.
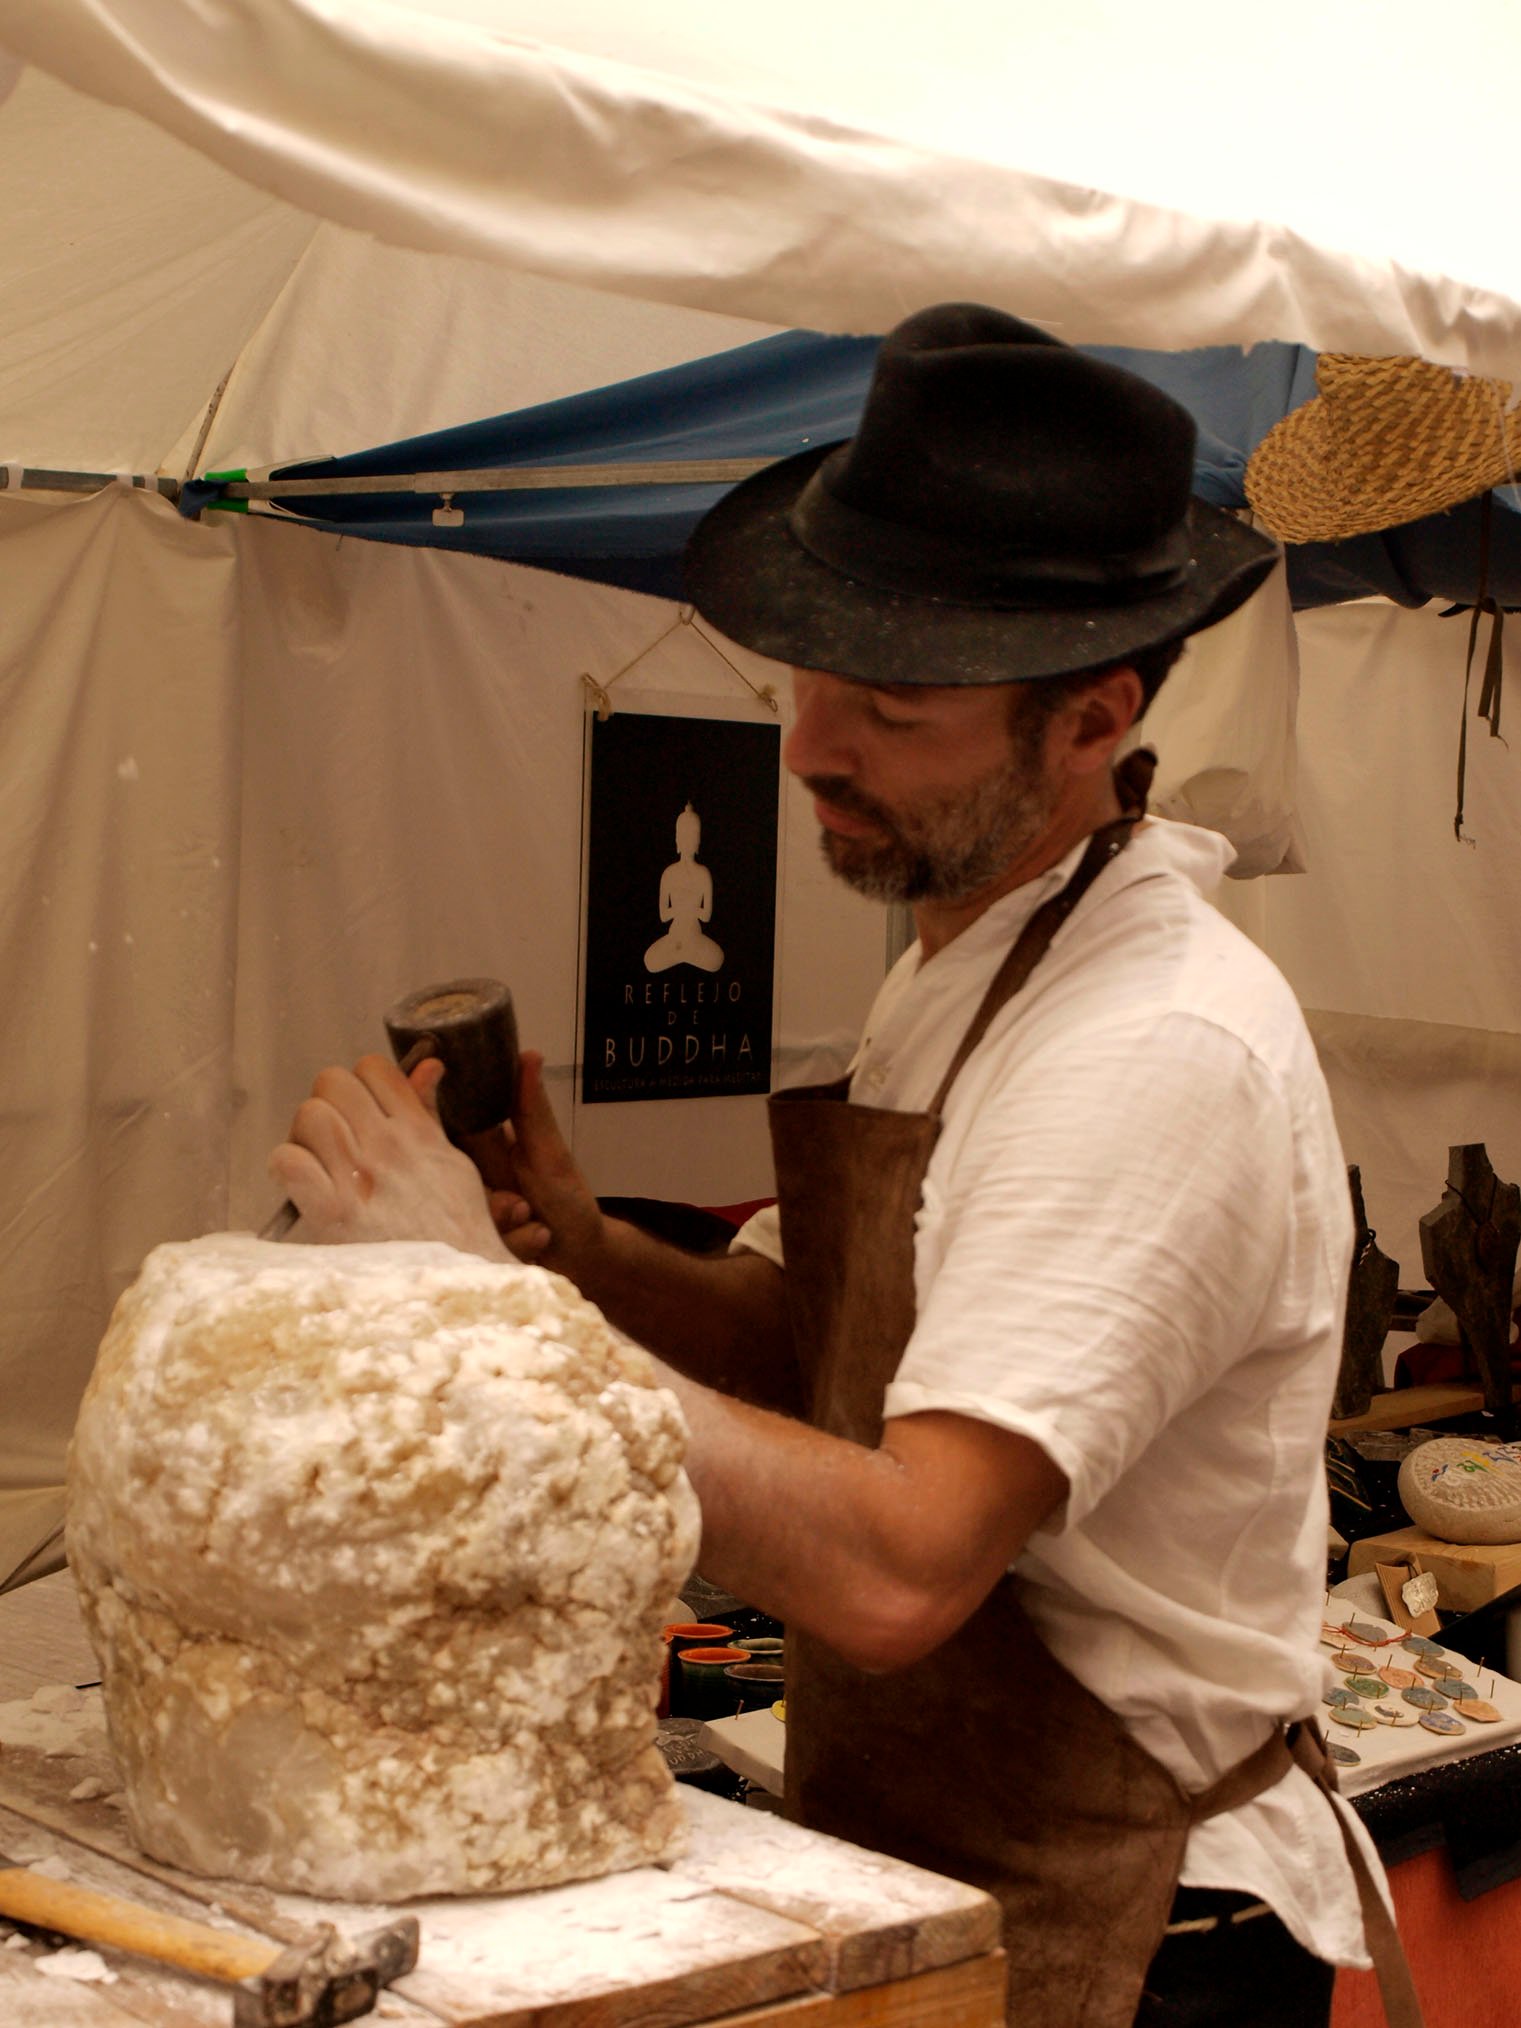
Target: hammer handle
{"points": [[46, 1903]]}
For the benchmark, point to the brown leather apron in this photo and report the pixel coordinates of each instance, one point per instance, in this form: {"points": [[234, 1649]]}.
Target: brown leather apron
{"points": [[986, 1760]]}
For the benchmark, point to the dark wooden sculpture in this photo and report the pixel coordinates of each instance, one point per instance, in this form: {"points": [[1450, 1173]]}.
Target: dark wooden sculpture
{"points": [[1370, 1306], [1468, 1248]]}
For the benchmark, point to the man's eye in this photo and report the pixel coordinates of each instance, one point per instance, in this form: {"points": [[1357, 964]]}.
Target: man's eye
{"points": [[890, 708]]}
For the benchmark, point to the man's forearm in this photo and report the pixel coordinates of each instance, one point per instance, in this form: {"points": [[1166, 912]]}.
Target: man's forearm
{"points": [[721, 1319], [880, 1552]]}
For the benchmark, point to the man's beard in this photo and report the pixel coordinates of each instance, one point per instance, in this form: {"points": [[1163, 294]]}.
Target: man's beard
{"points": [[945, 848]]}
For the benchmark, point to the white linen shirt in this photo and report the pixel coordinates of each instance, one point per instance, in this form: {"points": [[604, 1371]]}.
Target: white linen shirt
{"points": [[1133, 1248]]}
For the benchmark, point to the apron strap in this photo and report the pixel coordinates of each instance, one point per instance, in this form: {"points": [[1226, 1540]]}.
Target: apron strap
{"points": [[1402, 2005], [1301, 1746], [1132, 779]]}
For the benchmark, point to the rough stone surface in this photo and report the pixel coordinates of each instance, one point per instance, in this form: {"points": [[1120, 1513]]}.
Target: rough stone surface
{"points": [[374, 1545]]}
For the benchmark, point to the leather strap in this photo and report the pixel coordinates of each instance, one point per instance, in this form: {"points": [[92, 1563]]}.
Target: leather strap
{"points": [[1132, 777], [1302, 1746], [1247, 1780], [1402, 2006]]}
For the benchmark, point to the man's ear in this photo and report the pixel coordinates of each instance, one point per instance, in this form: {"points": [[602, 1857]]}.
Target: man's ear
{"points": [[1100, 716]]}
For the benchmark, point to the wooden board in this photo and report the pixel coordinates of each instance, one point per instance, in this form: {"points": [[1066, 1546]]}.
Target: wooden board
{"points": [[760, 1915], [28, 2000], [961, 1996], [1468, 1574], [1405, 1407], [635, 1950], [881, 1919]]}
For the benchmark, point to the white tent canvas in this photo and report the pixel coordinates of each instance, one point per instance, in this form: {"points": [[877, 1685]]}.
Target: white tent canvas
{"points": [[260, 780]]}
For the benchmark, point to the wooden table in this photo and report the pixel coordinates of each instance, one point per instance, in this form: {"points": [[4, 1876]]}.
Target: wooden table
{"points": [[759, 1923]]}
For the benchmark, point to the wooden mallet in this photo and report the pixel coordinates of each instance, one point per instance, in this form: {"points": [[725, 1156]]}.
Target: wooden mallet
{"points": [[469, 1025]]}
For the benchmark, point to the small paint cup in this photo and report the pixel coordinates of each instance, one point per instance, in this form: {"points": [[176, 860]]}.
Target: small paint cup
{"points": [[704, 1693], [696, 1634], [763, 1647], [754, 1686], [680, 1635]]}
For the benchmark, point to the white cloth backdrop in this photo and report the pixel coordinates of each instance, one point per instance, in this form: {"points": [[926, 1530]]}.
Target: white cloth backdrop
{"points": [[260, 782], [1403, 945]]}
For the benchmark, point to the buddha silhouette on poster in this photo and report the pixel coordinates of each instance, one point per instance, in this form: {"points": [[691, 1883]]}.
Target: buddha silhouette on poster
{"points": [[685, 1013], [686, 903]]}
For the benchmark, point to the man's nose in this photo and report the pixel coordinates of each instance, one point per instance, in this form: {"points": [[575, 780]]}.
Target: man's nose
{"points": [[819, 742]]}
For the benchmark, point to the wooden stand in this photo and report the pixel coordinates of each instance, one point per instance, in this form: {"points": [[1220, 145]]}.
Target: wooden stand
{"points": [[1371, 1291], [1468, 1249], [1468, 1574]]}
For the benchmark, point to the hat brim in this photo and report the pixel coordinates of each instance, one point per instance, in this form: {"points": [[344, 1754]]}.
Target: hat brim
{"points": [[747, 573]]}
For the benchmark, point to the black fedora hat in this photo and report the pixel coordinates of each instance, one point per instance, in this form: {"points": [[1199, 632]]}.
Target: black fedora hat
{"points": [[1009, 507]]}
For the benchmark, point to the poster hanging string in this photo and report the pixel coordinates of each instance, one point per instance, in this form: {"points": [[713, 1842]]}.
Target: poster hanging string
{"points": [[600, 693]]}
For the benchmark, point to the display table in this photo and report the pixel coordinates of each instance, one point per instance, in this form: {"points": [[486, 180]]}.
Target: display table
{"points": [[1428, 1804], [759, 1922]]}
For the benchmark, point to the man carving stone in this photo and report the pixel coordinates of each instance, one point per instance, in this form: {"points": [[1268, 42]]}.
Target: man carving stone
{"points": [[1014, 1412]]}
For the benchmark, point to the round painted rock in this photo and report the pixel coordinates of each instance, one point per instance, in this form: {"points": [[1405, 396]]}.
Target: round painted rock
{"points": [[1462, 1489], [1361, 1631], [1398, 1679]]}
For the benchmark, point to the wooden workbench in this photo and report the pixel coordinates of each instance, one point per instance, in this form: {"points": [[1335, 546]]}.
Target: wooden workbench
{"points": [[759, 1925]]}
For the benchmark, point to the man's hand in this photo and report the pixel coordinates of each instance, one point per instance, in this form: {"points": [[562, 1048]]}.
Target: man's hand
{"points": [[552, 1218], [367, 1160]]}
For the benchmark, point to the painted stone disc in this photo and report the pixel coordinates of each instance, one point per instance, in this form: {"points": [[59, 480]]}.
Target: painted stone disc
{"points": [[1354, 1716], [1398, 1679], [1387, 1714], [1417, 1644], [1442, 1721], [1437, 1666], [1365, 1686], [1339, 1697], [1351, 1663], [1361, 1631], [1425, 1700], [1342, 1755], [1480, 1710]]}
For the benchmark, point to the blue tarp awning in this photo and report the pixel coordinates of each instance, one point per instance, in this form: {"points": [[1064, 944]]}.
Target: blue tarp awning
{"points": [[783, 394]]}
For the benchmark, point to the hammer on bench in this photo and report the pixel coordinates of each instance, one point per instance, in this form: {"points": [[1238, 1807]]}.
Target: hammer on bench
{"points": [[469, 1025], [318, 1982]]}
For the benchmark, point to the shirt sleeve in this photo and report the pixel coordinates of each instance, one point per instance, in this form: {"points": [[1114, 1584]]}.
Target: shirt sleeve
{"points": [[762, 1234], [1105, 1247]]}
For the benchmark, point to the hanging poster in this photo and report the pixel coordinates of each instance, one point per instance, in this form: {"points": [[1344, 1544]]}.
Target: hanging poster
{"points": [[681, 907]]}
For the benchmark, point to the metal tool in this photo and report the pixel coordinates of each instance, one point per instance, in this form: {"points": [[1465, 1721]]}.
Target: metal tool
{"points": [[321, 1980], [469, 1025]]}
